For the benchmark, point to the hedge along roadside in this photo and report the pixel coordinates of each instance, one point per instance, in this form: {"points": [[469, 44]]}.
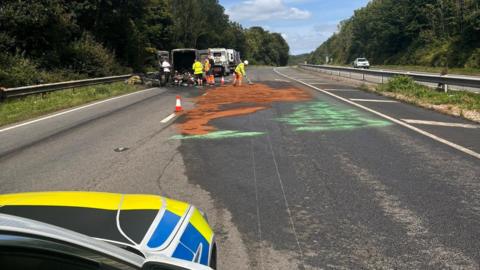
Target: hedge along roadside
{"points": [[19, 109]]}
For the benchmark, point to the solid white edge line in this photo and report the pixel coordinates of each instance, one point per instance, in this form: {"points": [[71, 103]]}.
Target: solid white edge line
{"points": [[434, 137], [442, 124], [168, 118], [342, 90], [73, 110], [374, 100]]}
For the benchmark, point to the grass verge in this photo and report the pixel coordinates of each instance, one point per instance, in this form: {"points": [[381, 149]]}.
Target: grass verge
{"points": [[459, 103], [18, 109]]}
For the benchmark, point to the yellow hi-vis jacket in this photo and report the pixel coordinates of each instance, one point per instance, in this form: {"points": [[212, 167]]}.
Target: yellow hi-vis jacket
{"points": [[197, 67], [207, 65], [240, 69]]}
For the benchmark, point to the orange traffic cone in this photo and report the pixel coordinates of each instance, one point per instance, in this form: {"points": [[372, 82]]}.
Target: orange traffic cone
{"points": [[178, 105], [222, 81]]}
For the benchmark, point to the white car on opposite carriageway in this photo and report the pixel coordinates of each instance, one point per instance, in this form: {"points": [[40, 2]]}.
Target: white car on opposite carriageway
{"points": [[361, 63]]}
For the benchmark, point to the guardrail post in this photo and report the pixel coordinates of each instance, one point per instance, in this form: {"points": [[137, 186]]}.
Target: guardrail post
{"points": [[2, 94], [363, 76]]}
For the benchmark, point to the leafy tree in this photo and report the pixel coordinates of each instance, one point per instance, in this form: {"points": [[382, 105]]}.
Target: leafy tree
{"points": [[421, 32], [70, 39]]}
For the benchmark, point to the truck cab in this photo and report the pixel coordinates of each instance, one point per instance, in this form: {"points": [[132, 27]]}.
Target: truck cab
{"points": [[221, 66], [233, 59]]}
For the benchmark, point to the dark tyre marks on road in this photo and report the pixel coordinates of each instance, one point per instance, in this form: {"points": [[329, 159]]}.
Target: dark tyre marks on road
{"points": [[351, 196]]}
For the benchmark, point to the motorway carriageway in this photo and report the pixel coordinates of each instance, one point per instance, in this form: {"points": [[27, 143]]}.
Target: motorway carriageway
{"points": [[294, 172]]}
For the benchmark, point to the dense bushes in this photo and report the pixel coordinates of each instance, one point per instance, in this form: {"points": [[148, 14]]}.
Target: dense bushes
{"points": [[86, 56], [16, 70]]}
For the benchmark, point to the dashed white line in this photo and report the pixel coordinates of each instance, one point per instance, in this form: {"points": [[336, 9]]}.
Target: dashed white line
{"points": [[374, 100], [442, 124], [72, 110], [341, 90], [425, 133], [168, 118]]}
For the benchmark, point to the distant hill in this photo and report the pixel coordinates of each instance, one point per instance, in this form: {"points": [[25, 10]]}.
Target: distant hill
{"points": [[410, 32], [298, 59]]}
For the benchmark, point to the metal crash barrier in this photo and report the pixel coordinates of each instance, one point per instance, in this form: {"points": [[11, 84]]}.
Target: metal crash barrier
{"points": [[382, 76]]}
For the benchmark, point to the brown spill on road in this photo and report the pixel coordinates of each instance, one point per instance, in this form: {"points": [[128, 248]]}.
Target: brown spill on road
{"points": [[239, 100]]}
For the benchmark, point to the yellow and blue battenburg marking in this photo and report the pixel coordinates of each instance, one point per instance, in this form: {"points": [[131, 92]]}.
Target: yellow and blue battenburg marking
{"points": [[95, 214], [197, 234]]}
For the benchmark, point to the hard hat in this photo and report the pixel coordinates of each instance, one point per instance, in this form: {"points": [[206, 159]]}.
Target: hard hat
{"points": [[246, 62]]}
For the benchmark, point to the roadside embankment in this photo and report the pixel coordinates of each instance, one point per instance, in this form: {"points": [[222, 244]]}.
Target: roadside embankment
{"points": [[18, 109], [457, 103]]}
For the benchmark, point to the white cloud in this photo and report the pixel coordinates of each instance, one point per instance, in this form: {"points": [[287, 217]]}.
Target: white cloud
{"points": [[305, 38], [326, 28], [264, 10]]}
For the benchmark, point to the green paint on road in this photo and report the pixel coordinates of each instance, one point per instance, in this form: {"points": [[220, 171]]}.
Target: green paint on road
{"points": [[218, 135], [321, 116]]}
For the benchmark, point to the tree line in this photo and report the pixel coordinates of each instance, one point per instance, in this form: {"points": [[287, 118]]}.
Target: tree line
{"points": [[54, 40], [443, 33]]}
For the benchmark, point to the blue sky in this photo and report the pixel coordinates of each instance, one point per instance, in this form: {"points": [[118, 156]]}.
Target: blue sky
{"points": [[305, 24]]}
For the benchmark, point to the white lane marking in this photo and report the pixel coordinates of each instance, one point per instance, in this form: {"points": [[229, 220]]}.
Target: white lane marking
{"points": [[374, 100], [73, 110], [168, 118], [425, 133], [341, 90], [442, 124], [280, 80]]}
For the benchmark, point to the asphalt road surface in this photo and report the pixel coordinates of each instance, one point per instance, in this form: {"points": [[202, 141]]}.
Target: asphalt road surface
{"points": [[346, 180]]}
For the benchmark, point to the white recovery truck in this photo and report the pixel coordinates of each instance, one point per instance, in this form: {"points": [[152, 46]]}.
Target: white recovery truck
{"points": [[233, 59], [221, 67]]}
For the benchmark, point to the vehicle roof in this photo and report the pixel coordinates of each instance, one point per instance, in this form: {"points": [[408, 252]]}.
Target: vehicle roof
{"points": [[98, 200], [18, 225], [14, 224], [149, 223]]}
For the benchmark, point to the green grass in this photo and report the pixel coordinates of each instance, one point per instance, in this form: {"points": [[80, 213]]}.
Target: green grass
{"points": [[18, 109], [459, 71], [422, 94]]}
